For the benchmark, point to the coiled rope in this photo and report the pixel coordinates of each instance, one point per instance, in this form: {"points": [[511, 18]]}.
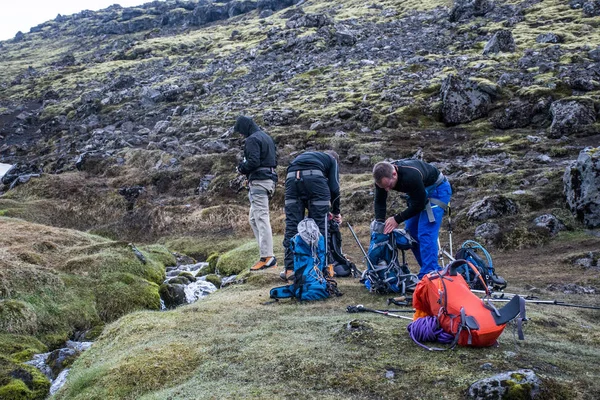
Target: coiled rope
{"points": [[427, 329]]}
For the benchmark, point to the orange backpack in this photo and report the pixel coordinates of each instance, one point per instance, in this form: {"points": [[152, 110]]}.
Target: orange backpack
{"points": [[460, 313]]}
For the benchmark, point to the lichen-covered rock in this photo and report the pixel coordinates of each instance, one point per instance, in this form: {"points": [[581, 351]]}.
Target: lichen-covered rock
{"points": [[463, 101], [521, 384], [571, 116], [492, 207], [549, 222], [520, 113], [280, 117], [465, 9], [502, 41], [549, 37], [488, 231], [582, 187]]}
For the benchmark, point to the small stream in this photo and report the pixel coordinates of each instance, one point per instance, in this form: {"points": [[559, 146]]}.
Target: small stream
{"points": [[55, 364], [181, 286]]}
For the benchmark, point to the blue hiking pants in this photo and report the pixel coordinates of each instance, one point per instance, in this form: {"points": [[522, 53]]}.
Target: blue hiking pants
{"points": [[426, 233]]}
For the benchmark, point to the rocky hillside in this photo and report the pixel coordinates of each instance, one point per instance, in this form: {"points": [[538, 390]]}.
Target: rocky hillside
{"points": [[501, 94], [119, 125]]}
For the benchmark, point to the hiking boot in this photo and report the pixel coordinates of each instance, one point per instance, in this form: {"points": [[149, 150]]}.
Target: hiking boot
{"points": [[287, 275], [264, 262]]}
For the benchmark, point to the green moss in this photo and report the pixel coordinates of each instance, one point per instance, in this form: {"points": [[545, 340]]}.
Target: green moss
{"points": [[20, 347], [120, 258], [238, 259], [17, 317], [21, 382], [518, 391], [214, 279], [121, 293], [203, 247]]}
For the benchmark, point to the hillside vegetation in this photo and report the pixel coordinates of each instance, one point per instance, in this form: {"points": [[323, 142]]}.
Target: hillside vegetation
{"points": [[121, 121]]}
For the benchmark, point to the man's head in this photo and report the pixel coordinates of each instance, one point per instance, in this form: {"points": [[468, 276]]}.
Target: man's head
{"points": [[245, 126], [385, 175], [333, 154]]}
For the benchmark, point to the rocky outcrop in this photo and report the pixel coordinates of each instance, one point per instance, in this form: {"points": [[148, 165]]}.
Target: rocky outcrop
{"points": [[463, 100], [465, 9], [582, 187], [502, 41], [571, 116], [492, 207]]}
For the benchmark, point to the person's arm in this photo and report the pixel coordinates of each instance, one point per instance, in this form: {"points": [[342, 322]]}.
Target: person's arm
{"points": [[252, 155], [379, 203]]}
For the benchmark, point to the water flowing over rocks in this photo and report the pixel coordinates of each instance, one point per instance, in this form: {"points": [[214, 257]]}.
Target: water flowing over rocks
{"points": [[184, 286], [581, 182], [55, 364]]}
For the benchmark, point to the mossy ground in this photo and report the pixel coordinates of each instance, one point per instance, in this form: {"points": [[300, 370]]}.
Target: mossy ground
{"points": [[56, 282], [233, 345]]}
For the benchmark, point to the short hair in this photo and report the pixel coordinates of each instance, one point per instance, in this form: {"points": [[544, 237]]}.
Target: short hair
{"points": [[333, 154], [382, 170]]}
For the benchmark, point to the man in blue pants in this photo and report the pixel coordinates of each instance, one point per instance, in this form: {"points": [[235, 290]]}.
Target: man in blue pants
{"points": [[428, 193]]}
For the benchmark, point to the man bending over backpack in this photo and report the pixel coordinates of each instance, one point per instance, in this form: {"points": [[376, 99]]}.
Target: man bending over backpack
{"points": [[428, 193]]}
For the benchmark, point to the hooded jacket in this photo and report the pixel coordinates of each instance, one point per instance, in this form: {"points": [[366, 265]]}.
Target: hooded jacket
{"points": [[260, 155]]}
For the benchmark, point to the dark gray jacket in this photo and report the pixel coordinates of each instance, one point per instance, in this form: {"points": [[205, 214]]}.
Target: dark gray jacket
{"points": [[260, 155]]}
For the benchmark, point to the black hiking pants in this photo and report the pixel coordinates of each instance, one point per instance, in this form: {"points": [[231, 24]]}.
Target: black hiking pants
{"points": [[311, 193]]}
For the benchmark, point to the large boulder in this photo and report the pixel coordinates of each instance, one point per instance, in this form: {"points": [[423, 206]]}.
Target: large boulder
{"points": [[502, 41], [463, 100], [465, 9], [571, 116], [492, 207], [582, 187], [521, 384]]}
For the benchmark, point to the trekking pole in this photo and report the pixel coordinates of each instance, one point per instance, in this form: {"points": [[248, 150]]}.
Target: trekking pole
{"points": [[500, 297], [450, 227], [360, 308], [368, 261], [550, 302]]}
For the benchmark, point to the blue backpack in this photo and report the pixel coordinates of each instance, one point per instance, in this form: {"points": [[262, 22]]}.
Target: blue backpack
{"points": [[309, 263], [481, 265], [385, 273]]}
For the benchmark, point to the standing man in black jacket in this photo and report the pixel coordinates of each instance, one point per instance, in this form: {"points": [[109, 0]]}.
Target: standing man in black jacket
{"points": [[428, 193], [312, 183], [260, 160]]}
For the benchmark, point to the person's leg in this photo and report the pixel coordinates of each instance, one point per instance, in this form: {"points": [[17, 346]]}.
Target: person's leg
{"points": [[259, 221], [262, 191], [320, 200], [294, 213], [429, 231]]}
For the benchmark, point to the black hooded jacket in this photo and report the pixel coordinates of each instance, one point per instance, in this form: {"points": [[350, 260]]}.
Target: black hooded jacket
{"points": [[260, 155]]}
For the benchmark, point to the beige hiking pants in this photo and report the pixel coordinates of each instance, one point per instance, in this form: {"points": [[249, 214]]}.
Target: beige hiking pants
{"points": [[260, 191]]}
